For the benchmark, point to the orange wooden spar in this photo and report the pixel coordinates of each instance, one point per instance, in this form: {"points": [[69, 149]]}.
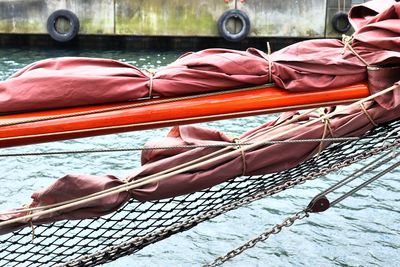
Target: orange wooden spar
{"points": [[68, 123]]}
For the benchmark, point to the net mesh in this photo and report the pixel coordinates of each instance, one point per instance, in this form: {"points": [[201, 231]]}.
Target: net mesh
{"points": [[95, 241]]}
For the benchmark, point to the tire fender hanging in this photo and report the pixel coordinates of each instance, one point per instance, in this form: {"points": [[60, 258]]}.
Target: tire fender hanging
{"points": [[59, 36], [235, 14], [337, 19]]}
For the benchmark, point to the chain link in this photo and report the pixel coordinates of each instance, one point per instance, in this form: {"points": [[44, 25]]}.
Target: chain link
{"points": [[289, 221]]}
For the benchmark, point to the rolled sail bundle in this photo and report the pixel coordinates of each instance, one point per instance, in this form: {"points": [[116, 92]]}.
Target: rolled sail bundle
{"points": [[177, 171], [166, 173], [309, 65]]}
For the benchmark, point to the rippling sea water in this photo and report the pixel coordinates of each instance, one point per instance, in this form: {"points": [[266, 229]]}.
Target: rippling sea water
{"points": [[361, 231]]}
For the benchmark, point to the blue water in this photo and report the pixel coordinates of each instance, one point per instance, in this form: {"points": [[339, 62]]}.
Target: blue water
{"points": [[361, 231]]}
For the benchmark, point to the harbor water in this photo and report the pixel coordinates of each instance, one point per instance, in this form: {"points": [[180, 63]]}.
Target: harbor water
{"points": [[363, 230]]}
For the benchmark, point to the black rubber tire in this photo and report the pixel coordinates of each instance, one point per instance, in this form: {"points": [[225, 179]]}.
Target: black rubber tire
{"points": [[63, 37], [341, 16], [223, 20]]}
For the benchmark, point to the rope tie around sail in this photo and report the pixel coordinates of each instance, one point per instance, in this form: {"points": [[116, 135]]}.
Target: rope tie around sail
{"points": [[327, 128], [33, 229], [368, 115], [269, 63], [32, 226], [125, 181], [150, 73], [243, 155], [347, 42]]}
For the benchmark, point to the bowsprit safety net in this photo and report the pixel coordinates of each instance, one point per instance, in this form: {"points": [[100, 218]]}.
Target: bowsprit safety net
{"points": [[137, 224]]}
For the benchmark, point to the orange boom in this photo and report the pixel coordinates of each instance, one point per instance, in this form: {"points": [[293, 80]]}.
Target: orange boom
{"points": [[67, 123]]}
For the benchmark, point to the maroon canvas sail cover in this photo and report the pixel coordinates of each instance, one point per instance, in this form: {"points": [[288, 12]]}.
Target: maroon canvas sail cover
{"points": [[308, 65], [262, 160]]}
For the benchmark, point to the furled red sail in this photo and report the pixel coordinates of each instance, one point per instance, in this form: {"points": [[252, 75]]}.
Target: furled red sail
{"points": [[258, 160], [308, 65]]}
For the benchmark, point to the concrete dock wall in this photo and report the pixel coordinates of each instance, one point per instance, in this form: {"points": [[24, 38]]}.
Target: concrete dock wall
{"points": [[286, 18], [30, 16], [169, 17], [268, 18], [199, 17]]}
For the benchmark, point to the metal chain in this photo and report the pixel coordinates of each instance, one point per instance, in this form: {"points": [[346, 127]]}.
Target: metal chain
{"points": [[289, 221], [339, 139], [192, 221]]}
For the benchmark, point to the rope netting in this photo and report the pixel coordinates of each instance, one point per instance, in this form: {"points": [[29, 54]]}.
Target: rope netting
{"points": [[95, 241]]}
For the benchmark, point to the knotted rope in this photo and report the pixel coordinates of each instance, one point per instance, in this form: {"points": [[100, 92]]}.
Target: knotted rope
{"points": [[327, 127], [348, 42], [368, 115], [269, 63], [243, 155], [150, 73]]}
